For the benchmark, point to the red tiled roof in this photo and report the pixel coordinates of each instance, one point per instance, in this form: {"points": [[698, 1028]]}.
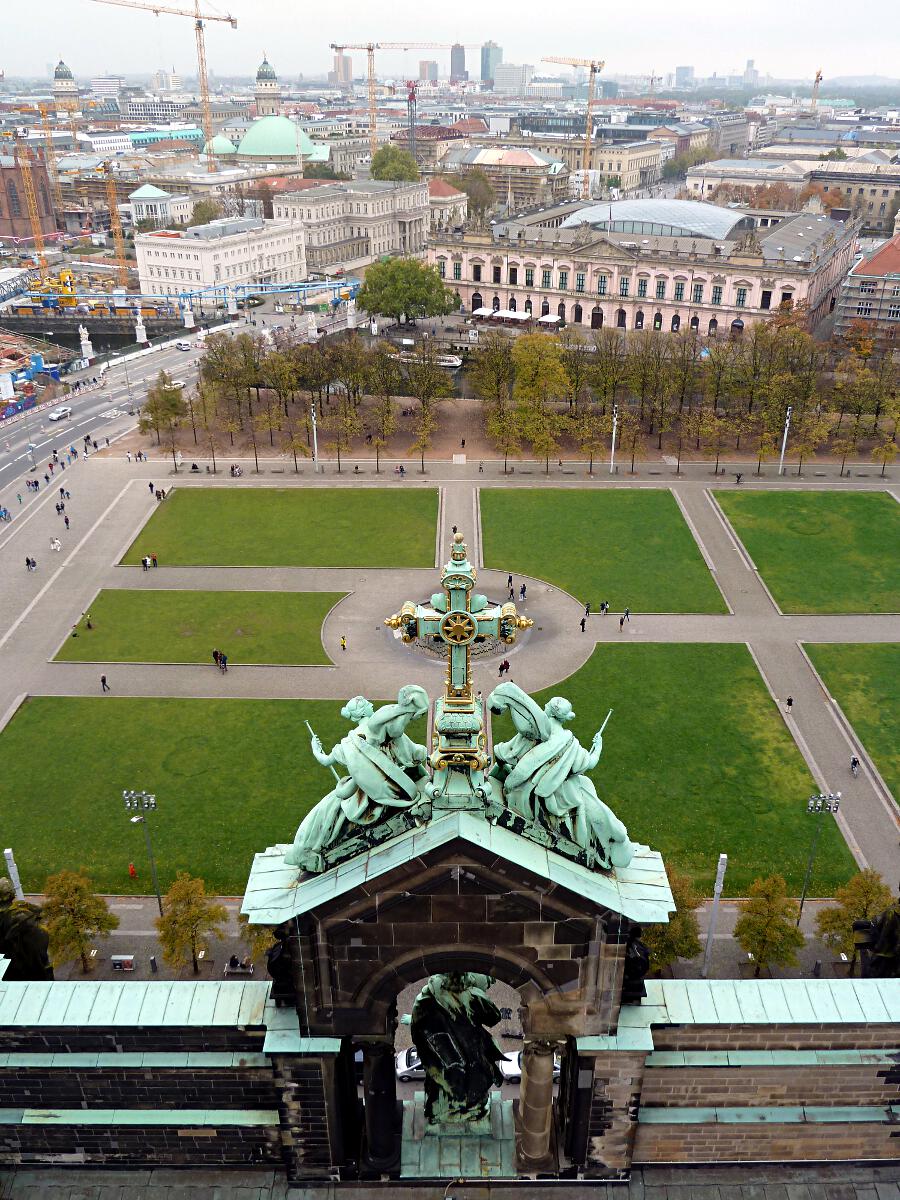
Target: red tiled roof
{"points": [[885, 260], [470, 125], [440, 188]]}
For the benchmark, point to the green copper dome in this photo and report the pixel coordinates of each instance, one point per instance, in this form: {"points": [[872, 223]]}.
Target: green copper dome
{"points": [[265, 74], [275, 137], [62, 71], [220, 145]]}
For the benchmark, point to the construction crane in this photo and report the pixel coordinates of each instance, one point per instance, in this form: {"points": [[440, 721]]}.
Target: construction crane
{"points": [[817, 83], [370, 48], [594, 66], [412, 89], [23, 161], [198, 18], [50, 156], [115, 224], [652, 80]]}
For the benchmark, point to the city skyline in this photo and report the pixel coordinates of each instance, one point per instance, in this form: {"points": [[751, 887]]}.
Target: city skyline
{"points": [[794, 45]]}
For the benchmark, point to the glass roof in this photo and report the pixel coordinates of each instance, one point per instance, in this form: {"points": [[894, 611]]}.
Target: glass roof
{"points": [[679, 218]]}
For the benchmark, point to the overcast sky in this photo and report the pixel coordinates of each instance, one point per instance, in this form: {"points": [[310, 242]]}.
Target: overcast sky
{"points": [[790, 38]]}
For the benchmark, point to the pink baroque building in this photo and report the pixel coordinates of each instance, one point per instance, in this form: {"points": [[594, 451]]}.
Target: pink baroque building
{"points": [[650, 264]]}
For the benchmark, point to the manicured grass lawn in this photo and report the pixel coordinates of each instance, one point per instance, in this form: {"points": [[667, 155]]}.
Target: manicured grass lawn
{"points": [[184, 627], [291, 527], [822, 552], [629, 547], [696, 760], [230, 776], [865, 681]]}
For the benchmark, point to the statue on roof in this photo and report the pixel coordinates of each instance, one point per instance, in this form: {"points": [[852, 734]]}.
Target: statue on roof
{"points": [[384, 773], [23, 940], [543, 774]]}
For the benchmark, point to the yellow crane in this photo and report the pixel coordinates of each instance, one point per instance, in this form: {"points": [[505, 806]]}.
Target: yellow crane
{"points": [[23, 161], [370, 48], [817, 83], [50, 155], [115, 224], [198, 18], [594, 67]]}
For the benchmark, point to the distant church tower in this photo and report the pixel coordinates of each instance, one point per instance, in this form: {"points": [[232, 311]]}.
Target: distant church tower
{"points": [[268, 93], [64, 85]]}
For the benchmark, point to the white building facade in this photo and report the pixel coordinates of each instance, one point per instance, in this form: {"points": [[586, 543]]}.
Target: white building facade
{"points": [[231, 251]]}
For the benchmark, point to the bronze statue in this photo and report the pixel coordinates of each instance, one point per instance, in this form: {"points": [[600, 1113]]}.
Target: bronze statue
{"points": [[23, 940], [459, 1055]]}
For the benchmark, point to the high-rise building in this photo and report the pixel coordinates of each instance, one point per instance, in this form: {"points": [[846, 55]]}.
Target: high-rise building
{"points": [[342, 72], [491, 56], [458, 62], [428, 70], [107, 85], [512, 78], [684, 77], [167, 81], [751, 75]]}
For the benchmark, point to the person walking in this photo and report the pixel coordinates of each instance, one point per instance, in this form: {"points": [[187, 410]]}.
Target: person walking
{"points": [[627, 614], [150, 486], [66, 519], [132, 871], [154, 560], [587, 609], [128, 455], [104, 686], [19, 497], [223, 662], [522, 592], [604, 607], [583, 624], [789, 704], [215, 657], [509, 581], [621, 624], [343, 642]]}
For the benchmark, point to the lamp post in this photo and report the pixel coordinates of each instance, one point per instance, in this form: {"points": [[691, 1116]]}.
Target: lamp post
{"points": [[828, 802], [146, 802], [714, 912], [315, 439], [128, 385], [787, 425], [612, 449]]}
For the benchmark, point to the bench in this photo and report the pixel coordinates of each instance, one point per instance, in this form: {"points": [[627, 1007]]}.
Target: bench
{"points": [[239, 970]]}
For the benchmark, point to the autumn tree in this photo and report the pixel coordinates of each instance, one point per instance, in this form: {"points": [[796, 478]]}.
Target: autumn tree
{"points": [[610, 364], [540, 383], [164, 411], [392, 162], [342, 425], [592, 427], [425, 425], [631, 435], [861, 898], [205, 211], [257, 938], [479, 190], [74, 917], [577, 360], [492, 375], [384, 377], [405, 287], [680, 937], [767, 925], [808, 432], [190, 918]]}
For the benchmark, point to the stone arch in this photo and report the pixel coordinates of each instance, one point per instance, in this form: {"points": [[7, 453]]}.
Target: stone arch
{"points": [[639, 319], [713, 327], [676, 323], [657, 320], [495, 303], [561, 310], [545, 308], [528, 306], [596, 317], [512, 304], [621, 318], [577, 314], [477, 301]]}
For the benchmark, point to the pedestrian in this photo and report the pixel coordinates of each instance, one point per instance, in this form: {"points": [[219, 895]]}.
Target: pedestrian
{"points": [[104, 686], [627, 614], [62, 493], [46, 477], [58, 509], [587, 609], [154, 560], [145, 562], [500, 670], [738, 478], [583, 623], [150, 486], [27, 563], [223, 662], [604, 607], [19, 497], [343, 642], [454, 529], [522, 592], [789, 703], [68, 494], [621, 624], [509, 581], [66, 519], [481, 468], [462, 444], [132, 871], [107, 442], [512, 594], [215, 655], [128, 455]]}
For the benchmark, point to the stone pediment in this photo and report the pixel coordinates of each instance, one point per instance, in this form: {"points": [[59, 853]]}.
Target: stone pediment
{"points": [[276, 892]]}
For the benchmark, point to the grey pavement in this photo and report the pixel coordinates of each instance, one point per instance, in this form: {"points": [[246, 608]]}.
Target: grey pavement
{"points": [[111, 501]]}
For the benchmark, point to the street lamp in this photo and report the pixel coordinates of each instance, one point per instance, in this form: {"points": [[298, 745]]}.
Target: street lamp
{"points": [[612, 448], [787, 426], [146, 802], [828, 802]]}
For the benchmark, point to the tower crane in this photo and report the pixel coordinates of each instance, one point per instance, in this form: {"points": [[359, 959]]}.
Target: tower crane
{"points": [[370, 48], [50, 156], [817, 83], [653, 80], [115, 224], [412, 90], [23, 161], [198, 18], [594, 66]]}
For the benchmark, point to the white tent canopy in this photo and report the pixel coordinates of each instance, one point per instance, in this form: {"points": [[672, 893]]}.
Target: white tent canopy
{"points": [[549, 319], [483, 312]]}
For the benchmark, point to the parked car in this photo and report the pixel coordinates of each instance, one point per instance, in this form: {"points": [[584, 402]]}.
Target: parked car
{"points": [[60, 414], [182, 345], [409, 1065], [511, 1066]]}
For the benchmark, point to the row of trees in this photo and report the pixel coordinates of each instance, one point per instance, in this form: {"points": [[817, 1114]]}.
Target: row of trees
{"points": [[709, 396], [75, 918], [767, 925]]}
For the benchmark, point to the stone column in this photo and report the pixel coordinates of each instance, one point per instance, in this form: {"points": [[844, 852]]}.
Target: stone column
{"points": [[536, 1105], [380, 1104]]}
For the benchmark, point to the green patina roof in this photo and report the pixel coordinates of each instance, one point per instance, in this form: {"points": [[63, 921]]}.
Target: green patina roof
{"points": [[224, 1002], [149, 192], [275, 137]]}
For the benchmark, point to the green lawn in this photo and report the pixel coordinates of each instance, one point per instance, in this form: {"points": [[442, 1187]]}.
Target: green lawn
{"points": [[822, 552], [291, 527], [865, 681], [230, 776], [696, 760], [630, 547], [184, 627]]}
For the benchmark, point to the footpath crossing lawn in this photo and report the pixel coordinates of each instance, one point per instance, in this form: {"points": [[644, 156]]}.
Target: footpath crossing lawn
{"points": [[697, 760], [865, 681], [184, 627], [291, 527], [628, 546], [822, 552]]}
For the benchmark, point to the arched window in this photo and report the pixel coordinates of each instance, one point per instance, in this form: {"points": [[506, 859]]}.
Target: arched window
{"points": [[512, 304], [495, 303], [676, 323], [620, 318], [737, 327], [596, 317], [695, 323], [657, 320], [561, 311], [545, 308], [713, 327], [528, 307], [639, 319], [577, 314], [477, 302]]}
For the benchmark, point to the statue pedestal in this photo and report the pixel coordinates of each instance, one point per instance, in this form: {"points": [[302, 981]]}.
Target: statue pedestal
{"points": [[427, 1152]]}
